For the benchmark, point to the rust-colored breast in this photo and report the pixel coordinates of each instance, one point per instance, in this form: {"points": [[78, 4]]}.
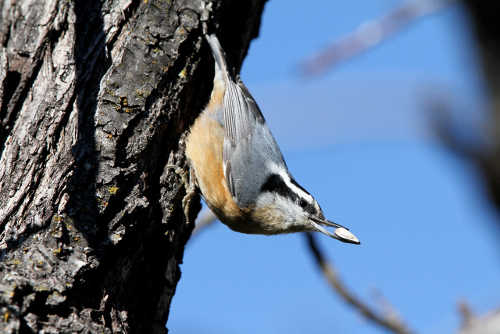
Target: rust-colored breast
{"points": [[204, 147]]}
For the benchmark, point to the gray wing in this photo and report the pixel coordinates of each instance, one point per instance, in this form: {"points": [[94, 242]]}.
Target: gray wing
{"points": [[249, 146]]}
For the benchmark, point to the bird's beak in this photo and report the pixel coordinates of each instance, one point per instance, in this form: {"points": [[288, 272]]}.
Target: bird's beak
{"points": [[340, 233]]}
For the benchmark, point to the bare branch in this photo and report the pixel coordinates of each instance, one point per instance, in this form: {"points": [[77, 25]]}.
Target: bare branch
{"points": [[370, 34], [392, 324], [386, 307], [466, 313], [488, 323]]}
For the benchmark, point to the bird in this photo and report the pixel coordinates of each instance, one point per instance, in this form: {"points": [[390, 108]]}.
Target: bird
{"points": [[239, 168]]}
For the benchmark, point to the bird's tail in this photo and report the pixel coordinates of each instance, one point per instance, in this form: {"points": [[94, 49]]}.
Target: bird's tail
{"points": [[219, 56]]}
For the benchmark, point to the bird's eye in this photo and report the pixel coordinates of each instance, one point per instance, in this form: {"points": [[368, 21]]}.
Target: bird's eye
{"points": [[303, 203]]}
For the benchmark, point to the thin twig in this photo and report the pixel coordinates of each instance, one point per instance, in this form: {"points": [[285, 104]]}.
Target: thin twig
{"points": [[386, 307], [392, 324], [370, 34], [466, 314]]}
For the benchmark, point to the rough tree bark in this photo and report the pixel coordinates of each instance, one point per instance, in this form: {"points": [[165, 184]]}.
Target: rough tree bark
{"points": [[95, 98]]}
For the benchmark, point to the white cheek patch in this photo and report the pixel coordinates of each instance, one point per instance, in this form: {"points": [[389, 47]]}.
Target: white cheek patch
{"points": [[283, 210], [265, 199]]}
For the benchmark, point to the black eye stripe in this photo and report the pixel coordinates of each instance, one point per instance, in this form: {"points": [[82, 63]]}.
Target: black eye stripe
{"points": [[309, 208], [275, 183]]}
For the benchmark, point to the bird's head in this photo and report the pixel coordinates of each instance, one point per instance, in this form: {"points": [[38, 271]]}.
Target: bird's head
{"points": [[285, 206]]}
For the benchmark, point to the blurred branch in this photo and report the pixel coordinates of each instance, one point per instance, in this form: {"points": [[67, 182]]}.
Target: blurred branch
{"points": [[441, 120], [391, 323], [484, 19], [369, 34], [483, 151], [488, 323], [385, 305], [466, 314]]}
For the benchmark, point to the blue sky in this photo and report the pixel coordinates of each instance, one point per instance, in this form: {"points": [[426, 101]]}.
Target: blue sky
{"points": [[358, 138]]}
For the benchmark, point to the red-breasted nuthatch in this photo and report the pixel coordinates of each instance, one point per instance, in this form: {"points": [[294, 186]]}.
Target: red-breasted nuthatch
{"points": [[239, 167]]}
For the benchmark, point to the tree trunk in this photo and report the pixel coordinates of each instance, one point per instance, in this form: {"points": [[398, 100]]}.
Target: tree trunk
{"points": [[95, 99]]}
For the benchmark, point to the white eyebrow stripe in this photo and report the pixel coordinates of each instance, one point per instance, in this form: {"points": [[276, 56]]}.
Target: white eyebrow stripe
{"points": [[275, 169]]}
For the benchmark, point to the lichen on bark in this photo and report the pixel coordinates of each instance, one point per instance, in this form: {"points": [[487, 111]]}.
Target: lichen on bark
{"points": [[95, 98]]}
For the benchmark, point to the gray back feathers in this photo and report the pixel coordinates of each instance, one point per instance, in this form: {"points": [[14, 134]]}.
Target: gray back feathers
{"points": [[250, 150]]}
